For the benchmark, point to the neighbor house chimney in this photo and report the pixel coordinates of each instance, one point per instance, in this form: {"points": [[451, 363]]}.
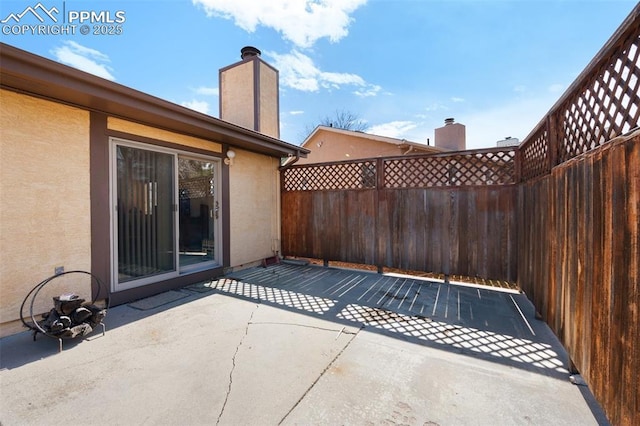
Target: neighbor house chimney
{"points": [[249, 94], [452, 136], [508, 141]]}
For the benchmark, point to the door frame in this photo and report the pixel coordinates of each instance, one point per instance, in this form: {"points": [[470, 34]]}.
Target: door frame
{"points": [[115, 286], [217, 222]]}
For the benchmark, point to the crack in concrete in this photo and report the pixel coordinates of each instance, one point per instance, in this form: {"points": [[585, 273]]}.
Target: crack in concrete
{"points": [[322, 373], [336, 330], [233, 364]]}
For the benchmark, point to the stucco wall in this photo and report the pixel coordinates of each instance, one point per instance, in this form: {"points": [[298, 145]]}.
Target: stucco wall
{"points": [[237, 95], [269, 108], [254, 207], [44, 200], [121, 125], [339, 147]]}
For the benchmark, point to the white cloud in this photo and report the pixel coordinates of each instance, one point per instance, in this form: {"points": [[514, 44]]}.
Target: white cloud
{"points": [[370, 90], [393, 129], [335, 79], [520, 88], [298, 71], [196, 105], [84, 59], [207, 91], [296, 112], [457, 100], [302, 22]]}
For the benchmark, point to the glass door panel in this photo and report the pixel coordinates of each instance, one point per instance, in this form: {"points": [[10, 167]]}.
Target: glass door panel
{"points": [[145, 213], [198, 211]]}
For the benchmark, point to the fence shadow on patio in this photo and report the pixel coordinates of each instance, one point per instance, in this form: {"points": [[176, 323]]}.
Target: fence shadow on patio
{"points": [[494, 325]]}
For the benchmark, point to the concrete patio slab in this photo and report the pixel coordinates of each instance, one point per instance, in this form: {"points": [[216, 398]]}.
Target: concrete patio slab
{"points": [[395, 382], [293, 345]]}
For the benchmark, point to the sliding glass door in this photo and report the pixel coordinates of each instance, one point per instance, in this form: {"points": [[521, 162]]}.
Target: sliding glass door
{"points": [[198, 212], [165, 214], [144, 213]]}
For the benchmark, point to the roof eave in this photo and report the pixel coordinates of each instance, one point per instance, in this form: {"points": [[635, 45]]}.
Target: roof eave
{"points": [[27, 73], [421, 146]]}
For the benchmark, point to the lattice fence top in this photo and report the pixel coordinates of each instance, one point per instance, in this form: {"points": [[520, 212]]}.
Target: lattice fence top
{"points": [[316, 177], [535, 155], [603, 103], [487, 167], [608, 104], [495, 167]]}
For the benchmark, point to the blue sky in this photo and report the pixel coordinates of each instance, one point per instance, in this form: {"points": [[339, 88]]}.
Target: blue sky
{"points": [[403, 66]]}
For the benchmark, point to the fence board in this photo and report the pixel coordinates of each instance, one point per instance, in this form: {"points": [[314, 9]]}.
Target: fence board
{"points": [[631, 334], [467, 231], [586, 285], [336, 225]]}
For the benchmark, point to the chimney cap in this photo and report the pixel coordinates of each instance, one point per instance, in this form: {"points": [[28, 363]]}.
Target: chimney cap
{"points": [[249, 51], [449, 121]]}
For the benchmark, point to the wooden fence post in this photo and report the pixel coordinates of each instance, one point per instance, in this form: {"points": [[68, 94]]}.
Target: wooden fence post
{"points": [[376, 208], [552, 133], [517, 165]]}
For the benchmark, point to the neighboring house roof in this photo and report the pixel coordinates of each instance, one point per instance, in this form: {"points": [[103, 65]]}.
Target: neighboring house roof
{"points": [[369, 136], [24, 72], [402, 145]]}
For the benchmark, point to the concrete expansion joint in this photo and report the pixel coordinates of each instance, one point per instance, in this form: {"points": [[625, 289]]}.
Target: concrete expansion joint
{"points": [[333, 361], [233, 363]]}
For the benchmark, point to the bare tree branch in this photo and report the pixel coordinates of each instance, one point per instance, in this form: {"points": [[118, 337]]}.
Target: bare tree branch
{"points": [[340, 119]]}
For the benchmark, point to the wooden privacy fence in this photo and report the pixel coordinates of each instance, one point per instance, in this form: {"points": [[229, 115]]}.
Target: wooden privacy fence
{"points": [[560, 213], [451, 213], [579, 262], [578, 222]]}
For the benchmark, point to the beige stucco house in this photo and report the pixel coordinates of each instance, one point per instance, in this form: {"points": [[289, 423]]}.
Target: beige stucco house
{"points": [[143, 193], [332, 144]]}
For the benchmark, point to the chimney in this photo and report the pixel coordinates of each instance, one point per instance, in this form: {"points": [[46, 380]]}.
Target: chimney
{"points": [[508, 141], [452, 136], [249, 52], [249, 94]]}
